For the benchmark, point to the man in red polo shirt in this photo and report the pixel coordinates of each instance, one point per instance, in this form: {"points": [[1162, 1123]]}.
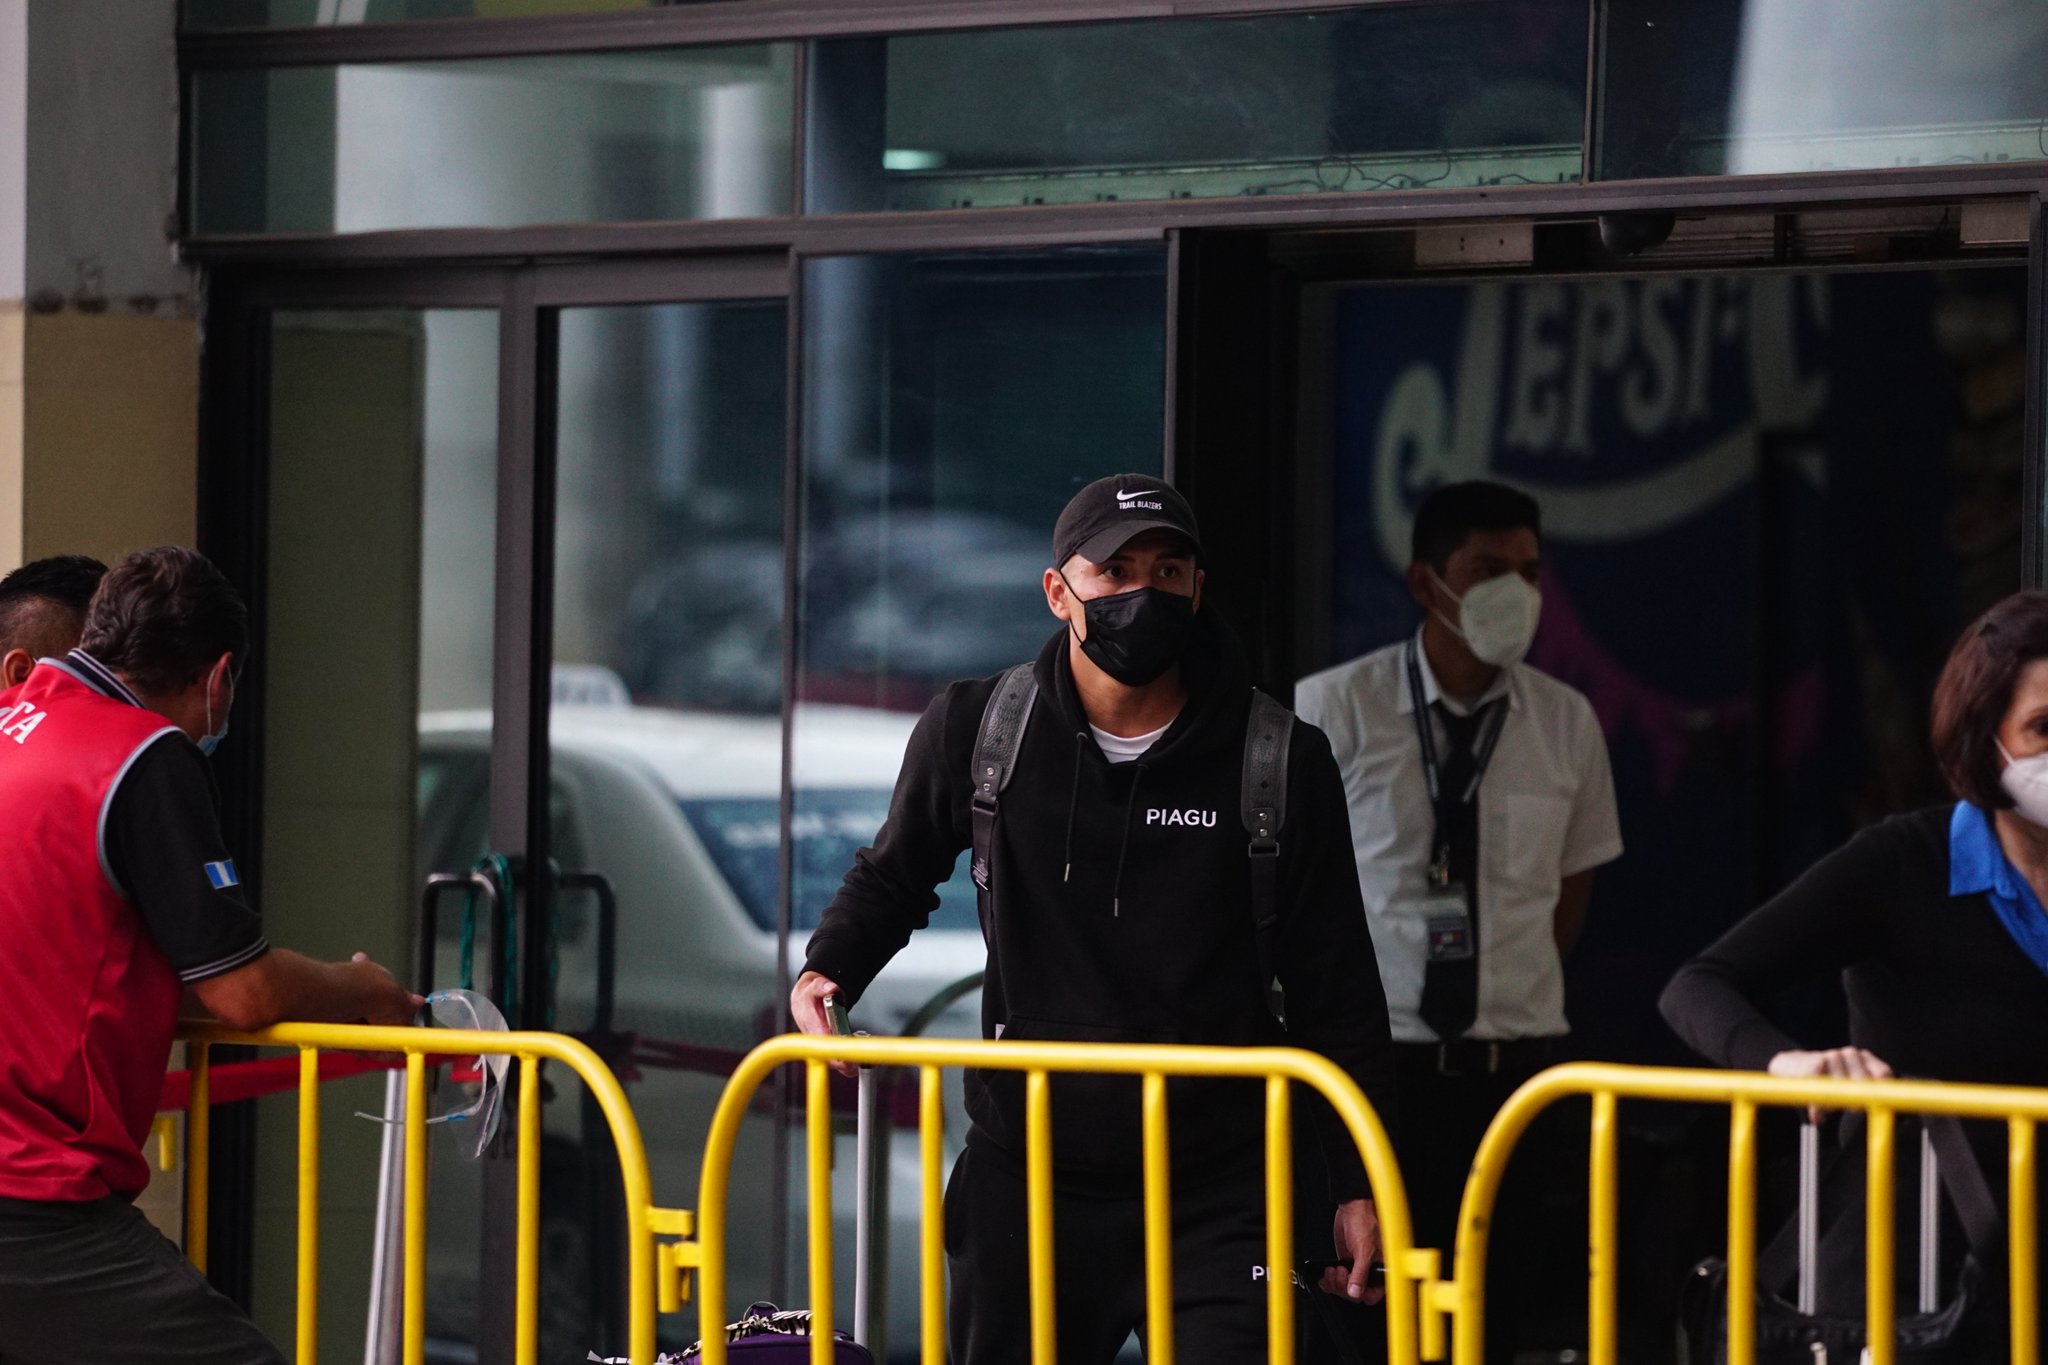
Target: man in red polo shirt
{"points": [[117, 897]]}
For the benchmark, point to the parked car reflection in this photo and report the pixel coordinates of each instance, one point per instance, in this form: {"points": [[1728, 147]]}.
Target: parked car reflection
{"points": [[895, 607]]}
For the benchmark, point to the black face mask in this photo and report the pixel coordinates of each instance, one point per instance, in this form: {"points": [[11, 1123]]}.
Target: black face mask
{"points": [[1136, 636]]}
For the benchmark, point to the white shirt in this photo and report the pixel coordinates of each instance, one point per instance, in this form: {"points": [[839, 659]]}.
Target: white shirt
{"points": [[1126, 749], [1546, 811]]}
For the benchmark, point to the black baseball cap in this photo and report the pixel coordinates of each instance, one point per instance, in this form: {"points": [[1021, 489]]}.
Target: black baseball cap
{"points": [[1104, 516]]}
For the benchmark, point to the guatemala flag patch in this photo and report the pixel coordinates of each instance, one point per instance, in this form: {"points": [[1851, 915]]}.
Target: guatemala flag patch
{"points": [[222, 874]]}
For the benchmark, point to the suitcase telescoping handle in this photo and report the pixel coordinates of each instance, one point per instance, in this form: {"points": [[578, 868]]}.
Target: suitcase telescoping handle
{"points": [[871, 1195], [1809, 1219]]}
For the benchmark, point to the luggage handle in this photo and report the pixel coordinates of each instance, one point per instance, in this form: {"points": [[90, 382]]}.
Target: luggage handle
{"points": [[1809, 1218], [871, 1195]]}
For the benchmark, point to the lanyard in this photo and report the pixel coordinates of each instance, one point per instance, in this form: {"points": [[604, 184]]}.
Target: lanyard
{"points": [[1425, 733]]}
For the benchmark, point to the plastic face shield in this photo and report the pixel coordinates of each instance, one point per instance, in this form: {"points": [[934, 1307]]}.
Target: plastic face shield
{"points": [[482, 1096]]}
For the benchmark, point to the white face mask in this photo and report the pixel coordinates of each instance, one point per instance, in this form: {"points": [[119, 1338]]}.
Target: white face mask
{"points": [[1496, 618], [2026, 781]]}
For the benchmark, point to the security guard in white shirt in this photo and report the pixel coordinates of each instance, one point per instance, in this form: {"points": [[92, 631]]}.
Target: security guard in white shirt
{"points": [[1481, 801]]}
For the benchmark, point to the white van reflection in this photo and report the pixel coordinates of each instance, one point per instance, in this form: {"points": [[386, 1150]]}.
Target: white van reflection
{"points": [[680, 812]]}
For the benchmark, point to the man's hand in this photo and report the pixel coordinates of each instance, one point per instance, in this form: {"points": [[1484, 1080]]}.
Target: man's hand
{"points": [[382, 999], [283, 984], [1357, 1234], [807, 1007]]}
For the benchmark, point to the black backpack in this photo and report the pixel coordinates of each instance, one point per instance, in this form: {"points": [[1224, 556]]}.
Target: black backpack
{"points": [[1262, 795]]}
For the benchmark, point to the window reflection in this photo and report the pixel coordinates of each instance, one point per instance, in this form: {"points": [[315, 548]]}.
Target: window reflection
{"points": [[1743, 87], [1383, 97], [669, 523], [695, 133], [665, 731], [952, 405]]}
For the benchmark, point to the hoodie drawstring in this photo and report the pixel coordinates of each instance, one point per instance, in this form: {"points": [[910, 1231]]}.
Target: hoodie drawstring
{"points": [[1073, 798], [1116, 893]]}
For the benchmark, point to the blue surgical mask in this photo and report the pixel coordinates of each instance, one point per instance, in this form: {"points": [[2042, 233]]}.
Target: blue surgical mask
{"points": [[210, 741]]}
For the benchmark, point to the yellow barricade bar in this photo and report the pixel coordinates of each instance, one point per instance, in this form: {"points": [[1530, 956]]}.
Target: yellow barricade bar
{"points": [[643, 1221], [1410, 1310], [1743, 1092]]}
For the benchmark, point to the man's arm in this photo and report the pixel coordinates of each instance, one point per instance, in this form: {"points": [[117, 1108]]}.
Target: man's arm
{"points": [[163, 846], [1330, 976], [892, 887], [1572, 895], [283, 985]]}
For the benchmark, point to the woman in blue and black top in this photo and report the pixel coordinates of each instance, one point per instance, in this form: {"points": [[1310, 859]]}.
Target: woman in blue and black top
{"points": [[1934, 919]]}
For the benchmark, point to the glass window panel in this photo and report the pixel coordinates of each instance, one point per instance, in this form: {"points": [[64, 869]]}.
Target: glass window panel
{"points": [[1747, 87], [666, 717], [201, 14], [695, 133], [1385, 97], [951, 407]]}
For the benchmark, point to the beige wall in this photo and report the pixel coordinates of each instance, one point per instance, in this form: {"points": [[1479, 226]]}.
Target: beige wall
{"points": [[99, 417], [12, 322]]}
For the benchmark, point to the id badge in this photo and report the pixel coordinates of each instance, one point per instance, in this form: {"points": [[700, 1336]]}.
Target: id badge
{"points": [[1447, 924]]}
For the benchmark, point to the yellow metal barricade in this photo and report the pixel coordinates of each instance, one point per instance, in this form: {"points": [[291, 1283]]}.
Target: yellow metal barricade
{"points": [[1743, 1092], [1414, 1298], [644, 1222]]}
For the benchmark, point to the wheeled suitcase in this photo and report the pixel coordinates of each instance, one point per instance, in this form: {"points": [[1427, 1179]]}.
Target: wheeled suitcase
{"points": [[767, 1335], [1799, 1332]]}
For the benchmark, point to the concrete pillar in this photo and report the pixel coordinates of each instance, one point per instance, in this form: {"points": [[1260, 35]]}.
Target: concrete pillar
{"points": [[99, 332]]}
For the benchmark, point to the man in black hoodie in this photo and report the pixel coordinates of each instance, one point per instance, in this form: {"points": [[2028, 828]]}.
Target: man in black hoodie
{"points": [[1119, 909]]}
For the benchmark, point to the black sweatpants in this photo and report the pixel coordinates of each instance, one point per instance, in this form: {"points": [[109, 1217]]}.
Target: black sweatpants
{"points": [[1219, 1249], [1442, 1119], [96, 1284]]}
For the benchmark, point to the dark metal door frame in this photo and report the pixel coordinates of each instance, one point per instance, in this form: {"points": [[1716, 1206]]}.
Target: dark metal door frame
{"points": [[234, 486]]}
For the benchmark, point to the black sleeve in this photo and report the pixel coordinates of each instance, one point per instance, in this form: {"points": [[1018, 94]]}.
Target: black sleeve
{"points": [[1323, 951], [892, 887], [163, 846], [1825, 921]]}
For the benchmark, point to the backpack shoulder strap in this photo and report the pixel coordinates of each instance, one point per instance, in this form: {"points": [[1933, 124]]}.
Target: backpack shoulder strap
{"points": [[995, 757], [1262, 802]]}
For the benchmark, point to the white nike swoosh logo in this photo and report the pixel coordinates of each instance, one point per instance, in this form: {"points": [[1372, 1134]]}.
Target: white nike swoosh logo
{"points": [[1122, 496]]}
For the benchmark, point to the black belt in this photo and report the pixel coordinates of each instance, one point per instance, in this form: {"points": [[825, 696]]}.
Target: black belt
{"points": [[1476, 1056]]}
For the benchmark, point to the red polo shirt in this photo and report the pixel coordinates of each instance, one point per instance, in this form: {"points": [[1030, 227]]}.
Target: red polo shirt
{"points": [[96, 932]]}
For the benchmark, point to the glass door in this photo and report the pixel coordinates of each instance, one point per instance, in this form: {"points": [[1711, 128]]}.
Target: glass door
{"points": [[514, 543], [371, 697], [665, 742]]}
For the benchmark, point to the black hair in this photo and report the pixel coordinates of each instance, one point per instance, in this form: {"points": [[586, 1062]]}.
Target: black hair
{"points": [[1449, 516], [162, 616], [43, 603]]}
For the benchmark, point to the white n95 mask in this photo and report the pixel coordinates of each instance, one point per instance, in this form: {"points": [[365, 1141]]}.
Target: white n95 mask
{"points": [[1496, 618], [2026, 781], [460, 1009]]}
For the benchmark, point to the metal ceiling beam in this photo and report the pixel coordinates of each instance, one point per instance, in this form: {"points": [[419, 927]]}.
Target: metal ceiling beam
{"points": [[695, 25]]}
